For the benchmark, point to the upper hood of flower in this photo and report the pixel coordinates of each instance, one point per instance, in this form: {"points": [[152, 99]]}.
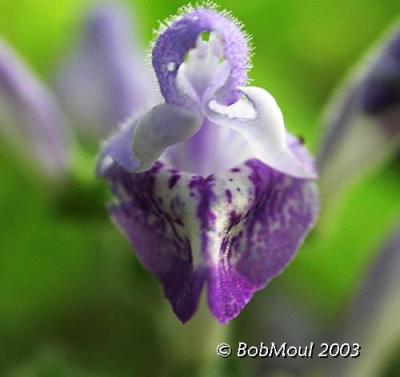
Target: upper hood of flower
{"points": [[183, 34], [207, 78]]}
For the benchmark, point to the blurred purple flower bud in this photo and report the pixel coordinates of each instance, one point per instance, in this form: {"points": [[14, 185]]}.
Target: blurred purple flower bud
{"points": [[103, 84], [363, 122], [209, 187], [380, 90], [30, 115], [373, 321], [105, 79]]}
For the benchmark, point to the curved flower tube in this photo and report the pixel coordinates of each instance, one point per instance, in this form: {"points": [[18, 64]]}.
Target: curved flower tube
{"points": [[31, 117], [372, 319], [208, 186], [362, 124]]}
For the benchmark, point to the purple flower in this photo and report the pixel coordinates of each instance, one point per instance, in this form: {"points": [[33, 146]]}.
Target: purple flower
{"points": [[208, 186], [101, 84]]}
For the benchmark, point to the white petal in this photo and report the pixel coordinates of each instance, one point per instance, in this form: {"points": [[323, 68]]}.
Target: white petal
{"points": [[264, 130], [164, 125]]}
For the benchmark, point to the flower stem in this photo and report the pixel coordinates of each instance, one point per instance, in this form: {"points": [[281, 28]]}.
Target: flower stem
{"points": [[190, 348]]}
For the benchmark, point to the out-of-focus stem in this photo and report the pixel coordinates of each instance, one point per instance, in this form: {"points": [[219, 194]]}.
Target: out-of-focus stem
{"points": [[191, 347]]}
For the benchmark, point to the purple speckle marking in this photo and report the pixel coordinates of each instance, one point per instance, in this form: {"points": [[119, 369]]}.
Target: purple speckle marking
{"points": [[228, 194], [256, 245], [173, 180]]}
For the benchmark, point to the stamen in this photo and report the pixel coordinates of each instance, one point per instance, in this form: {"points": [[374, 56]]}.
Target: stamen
{"points": [[202, 62]]}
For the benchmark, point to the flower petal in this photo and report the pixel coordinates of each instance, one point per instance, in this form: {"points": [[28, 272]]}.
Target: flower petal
{"points": [[154, 210], [237, 230], [164, 125], [119, 149], [139, 143], [265, 131], [105, 81], [30, 115], [260, 239]]}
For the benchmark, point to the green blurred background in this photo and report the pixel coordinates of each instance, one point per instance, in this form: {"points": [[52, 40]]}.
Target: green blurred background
{"points": [[73, 299]]}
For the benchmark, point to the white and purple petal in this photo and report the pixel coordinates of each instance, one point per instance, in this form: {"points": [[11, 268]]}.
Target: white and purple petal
{"points": [[141, 141], [235, 230]]}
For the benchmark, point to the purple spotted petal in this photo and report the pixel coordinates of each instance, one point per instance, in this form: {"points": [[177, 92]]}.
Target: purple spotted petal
{"points": [[105, 79], [235, 230], [260, 242], [30, 115], [156, 225]]}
